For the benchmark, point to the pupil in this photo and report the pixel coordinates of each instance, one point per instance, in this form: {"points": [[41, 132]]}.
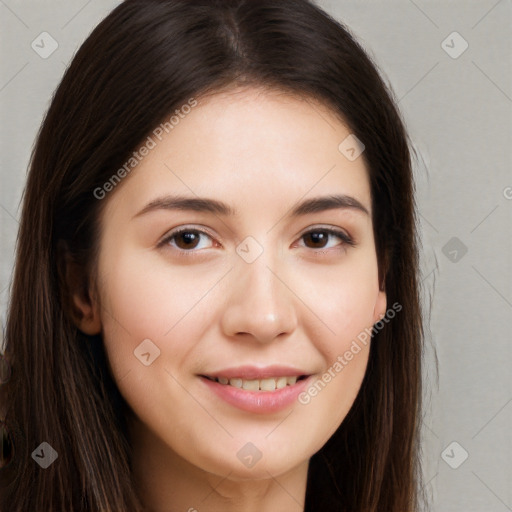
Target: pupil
{"points": [[318, 238], [190, 239]]}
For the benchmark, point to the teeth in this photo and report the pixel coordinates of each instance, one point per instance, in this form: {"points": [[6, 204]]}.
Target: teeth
{"points": [[267, 384], [270, 384], [291, 380], [251, 385], [281, 382], [237, 383]]}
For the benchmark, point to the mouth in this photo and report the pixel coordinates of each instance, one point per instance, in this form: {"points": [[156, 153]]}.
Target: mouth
{"points": [[257, 389], [266, 384]]}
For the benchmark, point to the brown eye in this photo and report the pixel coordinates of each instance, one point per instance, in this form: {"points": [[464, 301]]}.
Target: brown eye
{"points": [[188, 239], [321, 238], [317, 239]]}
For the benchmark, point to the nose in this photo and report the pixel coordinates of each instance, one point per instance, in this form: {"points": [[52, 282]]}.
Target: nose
{"points": [[259, 305]]}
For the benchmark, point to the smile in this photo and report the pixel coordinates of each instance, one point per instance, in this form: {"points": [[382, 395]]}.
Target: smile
{"points": [[260, 390], [267, 384]]}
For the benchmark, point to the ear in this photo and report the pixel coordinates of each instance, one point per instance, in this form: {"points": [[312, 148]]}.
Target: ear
{"points": [[379, 311], [77, 294]]}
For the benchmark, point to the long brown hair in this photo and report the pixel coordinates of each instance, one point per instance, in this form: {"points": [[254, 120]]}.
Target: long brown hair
{"points": [[143, 61]]}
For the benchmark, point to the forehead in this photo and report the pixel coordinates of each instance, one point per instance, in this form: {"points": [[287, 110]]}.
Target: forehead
{"points": [[246, 143]]}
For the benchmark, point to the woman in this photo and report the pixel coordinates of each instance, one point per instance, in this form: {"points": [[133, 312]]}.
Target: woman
{"points": [[215, 299]]}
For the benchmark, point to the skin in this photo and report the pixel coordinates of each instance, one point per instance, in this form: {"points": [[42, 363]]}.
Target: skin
{"points": [[261, 152]]}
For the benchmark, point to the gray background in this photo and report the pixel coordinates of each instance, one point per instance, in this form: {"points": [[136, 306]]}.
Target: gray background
{"points": [[458, 111]]}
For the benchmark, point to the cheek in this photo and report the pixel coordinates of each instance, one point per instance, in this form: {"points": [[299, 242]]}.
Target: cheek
{"points": [[147, 299], [337, 315], [343, 300], [345, 305], [157, 313], [325, 403]]}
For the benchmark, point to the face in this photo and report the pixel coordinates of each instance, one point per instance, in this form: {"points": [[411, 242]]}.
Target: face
{"points": [[230, 280]]}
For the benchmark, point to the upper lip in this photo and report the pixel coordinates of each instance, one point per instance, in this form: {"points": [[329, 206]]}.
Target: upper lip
{"points": [[256, 372]]}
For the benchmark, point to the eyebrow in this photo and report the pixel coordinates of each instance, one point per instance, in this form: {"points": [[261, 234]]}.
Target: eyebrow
{"points": [[200, 204]]}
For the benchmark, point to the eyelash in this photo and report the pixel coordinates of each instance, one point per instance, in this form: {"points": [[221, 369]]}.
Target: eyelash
{"points": [[344, 237]]}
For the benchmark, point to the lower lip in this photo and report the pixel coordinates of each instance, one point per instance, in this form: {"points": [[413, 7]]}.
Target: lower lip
{"points": [[263, 402]]}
